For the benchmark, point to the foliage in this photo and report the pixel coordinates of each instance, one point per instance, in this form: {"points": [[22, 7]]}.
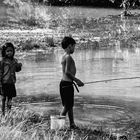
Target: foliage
{"points": [[28, 13], [126, 4], [84, 29], [101, 3], [24, 124], [131, 2]]}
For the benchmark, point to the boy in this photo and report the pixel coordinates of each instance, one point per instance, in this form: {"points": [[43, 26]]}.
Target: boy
{"points": [[68, 79]]}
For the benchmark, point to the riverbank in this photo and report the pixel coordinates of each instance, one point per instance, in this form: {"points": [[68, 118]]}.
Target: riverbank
{"points": [[39, 27], [30, 119], [96, 33], [24, 124]]}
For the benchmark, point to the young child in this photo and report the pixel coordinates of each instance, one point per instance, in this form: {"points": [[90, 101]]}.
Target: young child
{"points": [[68, 79], [8, 66]]}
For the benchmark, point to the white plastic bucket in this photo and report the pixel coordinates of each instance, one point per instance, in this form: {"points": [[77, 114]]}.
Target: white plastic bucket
{"points": [[57, 122]]}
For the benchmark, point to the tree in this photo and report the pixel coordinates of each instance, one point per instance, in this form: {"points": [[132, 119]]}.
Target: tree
{"points": [[127, 4]]}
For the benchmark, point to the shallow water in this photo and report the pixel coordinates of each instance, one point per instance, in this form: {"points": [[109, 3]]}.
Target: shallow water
{"points": [[42, 72], [109, 102]]}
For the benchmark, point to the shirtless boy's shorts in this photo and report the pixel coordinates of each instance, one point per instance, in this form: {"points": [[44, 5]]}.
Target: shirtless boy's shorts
{"points": [[67, 93]]}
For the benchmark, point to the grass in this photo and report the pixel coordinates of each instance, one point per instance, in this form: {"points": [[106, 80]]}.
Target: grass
{"points": [[28, 13], [23, 124], [109, 29], [55, 22]]}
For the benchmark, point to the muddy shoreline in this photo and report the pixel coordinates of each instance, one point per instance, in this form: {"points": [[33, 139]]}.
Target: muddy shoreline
{"points": [[109, 112]]}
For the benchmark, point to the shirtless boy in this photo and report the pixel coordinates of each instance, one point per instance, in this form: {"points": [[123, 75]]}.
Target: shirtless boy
{"points": [[68, 79]]}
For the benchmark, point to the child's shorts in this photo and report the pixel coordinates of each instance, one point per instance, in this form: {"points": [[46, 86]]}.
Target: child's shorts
{"points": [[67, 93], [8, 90]]}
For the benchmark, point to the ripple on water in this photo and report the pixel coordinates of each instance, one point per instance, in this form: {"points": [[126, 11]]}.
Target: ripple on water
{"points": [[90, 112], [109, 116]]}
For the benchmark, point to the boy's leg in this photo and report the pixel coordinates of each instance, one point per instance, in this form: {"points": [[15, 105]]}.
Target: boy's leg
{"points": [[3, 105], [64, 111], [71, 118], [9, 103]]}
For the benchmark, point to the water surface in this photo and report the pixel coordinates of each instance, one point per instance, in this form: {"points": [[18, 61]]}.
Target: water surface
{"points": [[114, 101], [42, 72]]}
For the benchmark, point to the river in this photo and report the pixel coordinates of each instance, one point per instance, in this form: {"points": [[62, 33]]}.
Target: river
{"points": [[42, 72]]}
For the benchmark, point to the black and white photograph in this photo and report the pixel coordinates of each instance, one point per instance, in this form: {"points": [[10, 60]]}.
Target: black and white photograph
{"points": [[69, 69]]}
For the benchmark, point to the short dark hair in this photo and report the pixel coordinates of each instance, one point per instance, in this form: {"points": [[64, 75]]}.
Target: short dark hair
{"points": [[67, 41], [5, 46]]}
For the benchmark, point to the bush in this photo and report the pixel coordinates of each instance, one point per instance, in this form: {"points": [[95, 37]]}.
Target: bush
{"points": [[29, 45], [28, 13]]}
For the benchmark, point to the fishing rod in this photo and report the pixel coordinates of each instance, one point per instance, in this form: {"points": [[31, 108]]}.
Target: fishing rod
{"points": [[100, 81], [114, 79]]}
